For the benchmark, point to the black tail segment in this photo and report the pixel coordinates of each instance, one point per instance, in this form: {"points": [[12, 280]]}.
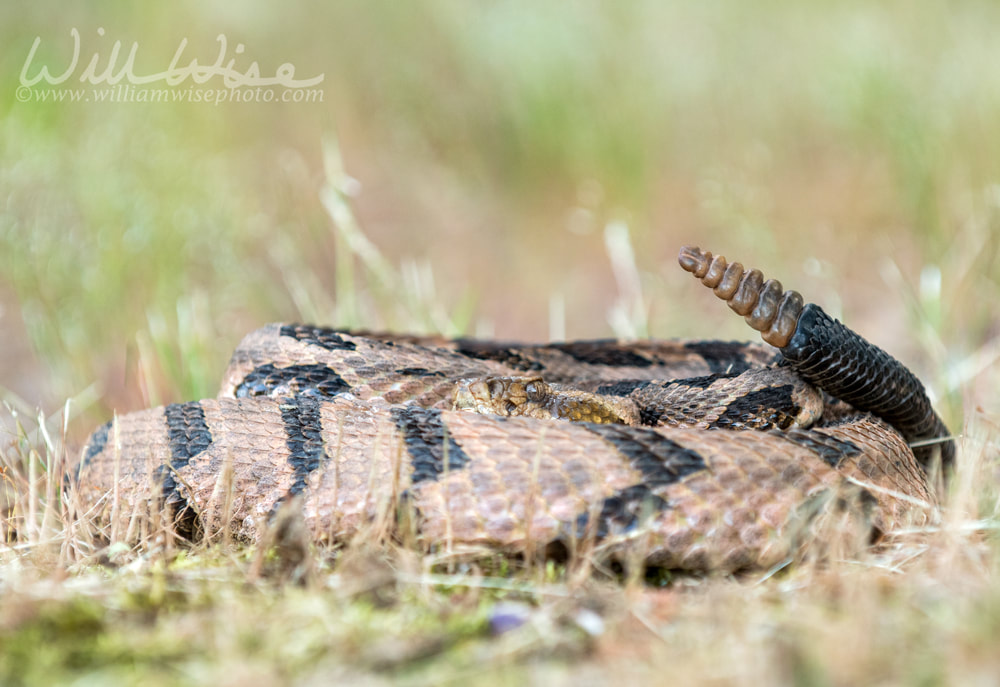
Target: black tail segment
{"points": [[839, 361]]}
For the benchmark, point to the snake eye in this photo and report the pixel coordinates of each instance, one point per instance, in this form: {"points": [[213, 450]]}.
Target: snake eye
{"points": [[510, 407]]}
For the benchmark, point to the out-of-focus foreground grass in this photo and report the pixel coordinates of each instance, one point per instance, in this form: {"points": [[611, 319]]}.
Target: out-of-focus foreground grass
{"points": [[512, 169]]}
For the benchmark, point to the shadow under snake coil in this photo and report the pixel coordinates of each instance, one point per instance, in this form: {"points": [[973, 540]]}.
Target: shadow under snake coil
{"points": [[699, 455]]}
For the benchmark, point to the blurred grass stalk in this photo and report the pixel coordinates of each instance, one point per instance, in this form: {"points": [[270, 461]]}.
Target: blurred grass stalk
{"points": [[405, 298], [629, 316]]}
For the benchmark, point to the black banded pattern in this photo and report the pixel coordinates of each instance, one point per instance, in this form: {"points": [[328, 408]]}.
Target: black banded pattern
{"points": [[624, 387], [304, 430], [767, 408], [187, 431], [293, 380], [660, 460], [705, 381], [324, 337], [98, 440], [189, 435], [417, 372], [722, 357], [622, 513], [832, 450], [479, 350], [606, 352], [431, 449]]}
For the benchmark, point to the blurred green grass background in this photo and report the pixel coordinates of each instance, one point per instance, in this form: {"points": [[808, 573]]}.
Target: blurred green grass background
{"points": [[850, 149], [510, 169]]}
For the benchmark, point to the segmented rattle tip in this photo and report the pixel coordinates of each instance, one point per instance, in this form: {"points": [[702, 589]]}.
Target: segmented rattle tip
{"points": [[766, 307]]}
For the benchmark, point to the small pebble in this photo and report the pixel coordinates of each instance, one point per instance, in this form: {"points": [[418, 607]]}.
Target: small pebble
{"points": [[589, 621], [507, 616]]}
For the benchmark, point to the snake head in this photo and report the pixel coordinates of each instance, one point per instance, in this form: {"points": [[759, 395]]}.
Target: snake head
{"points": [[505, 396], [532, 397]]}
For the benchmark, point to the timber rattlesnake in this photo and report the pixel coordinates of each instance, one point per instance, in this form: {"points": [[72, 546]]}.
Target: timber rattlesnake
{"points": [[363, 428]]}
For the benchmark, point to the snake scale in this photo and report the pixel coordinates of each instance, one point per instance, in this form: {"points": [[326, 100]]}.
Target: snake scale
{"points": [[698, 455]]}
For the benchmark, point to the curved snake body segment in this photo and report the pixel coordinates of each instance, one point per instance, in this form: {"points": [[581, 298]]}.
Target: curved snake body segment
{"points": [[761, 399], [714, 499], [359, 427], [271, 360]]}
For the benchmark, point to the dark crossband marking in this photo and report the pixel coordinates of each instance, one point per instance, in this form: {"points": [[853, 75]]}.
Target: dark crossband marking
{"points": [[627, 387], [722, 357], [487, 351], [622, 512], [770, 407], [429, 448], [318, 336], [188, 435], [624, 387], [294, 380], [603, 352], [831, 449], [304, 432], [702, 382], [649, 395], [417, 372], [650, 412], [660, 460], [98, 440]]}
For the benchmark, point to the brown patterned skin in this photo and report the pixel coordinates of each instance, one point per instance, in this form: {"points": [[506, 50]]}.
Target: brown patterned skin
{"points": [[364, 429], [730, 494]]}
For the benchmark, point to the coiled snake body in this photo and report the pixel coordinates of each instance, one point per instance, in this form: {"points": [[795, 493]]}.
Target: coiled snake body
{"points": [[694, 455]]}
